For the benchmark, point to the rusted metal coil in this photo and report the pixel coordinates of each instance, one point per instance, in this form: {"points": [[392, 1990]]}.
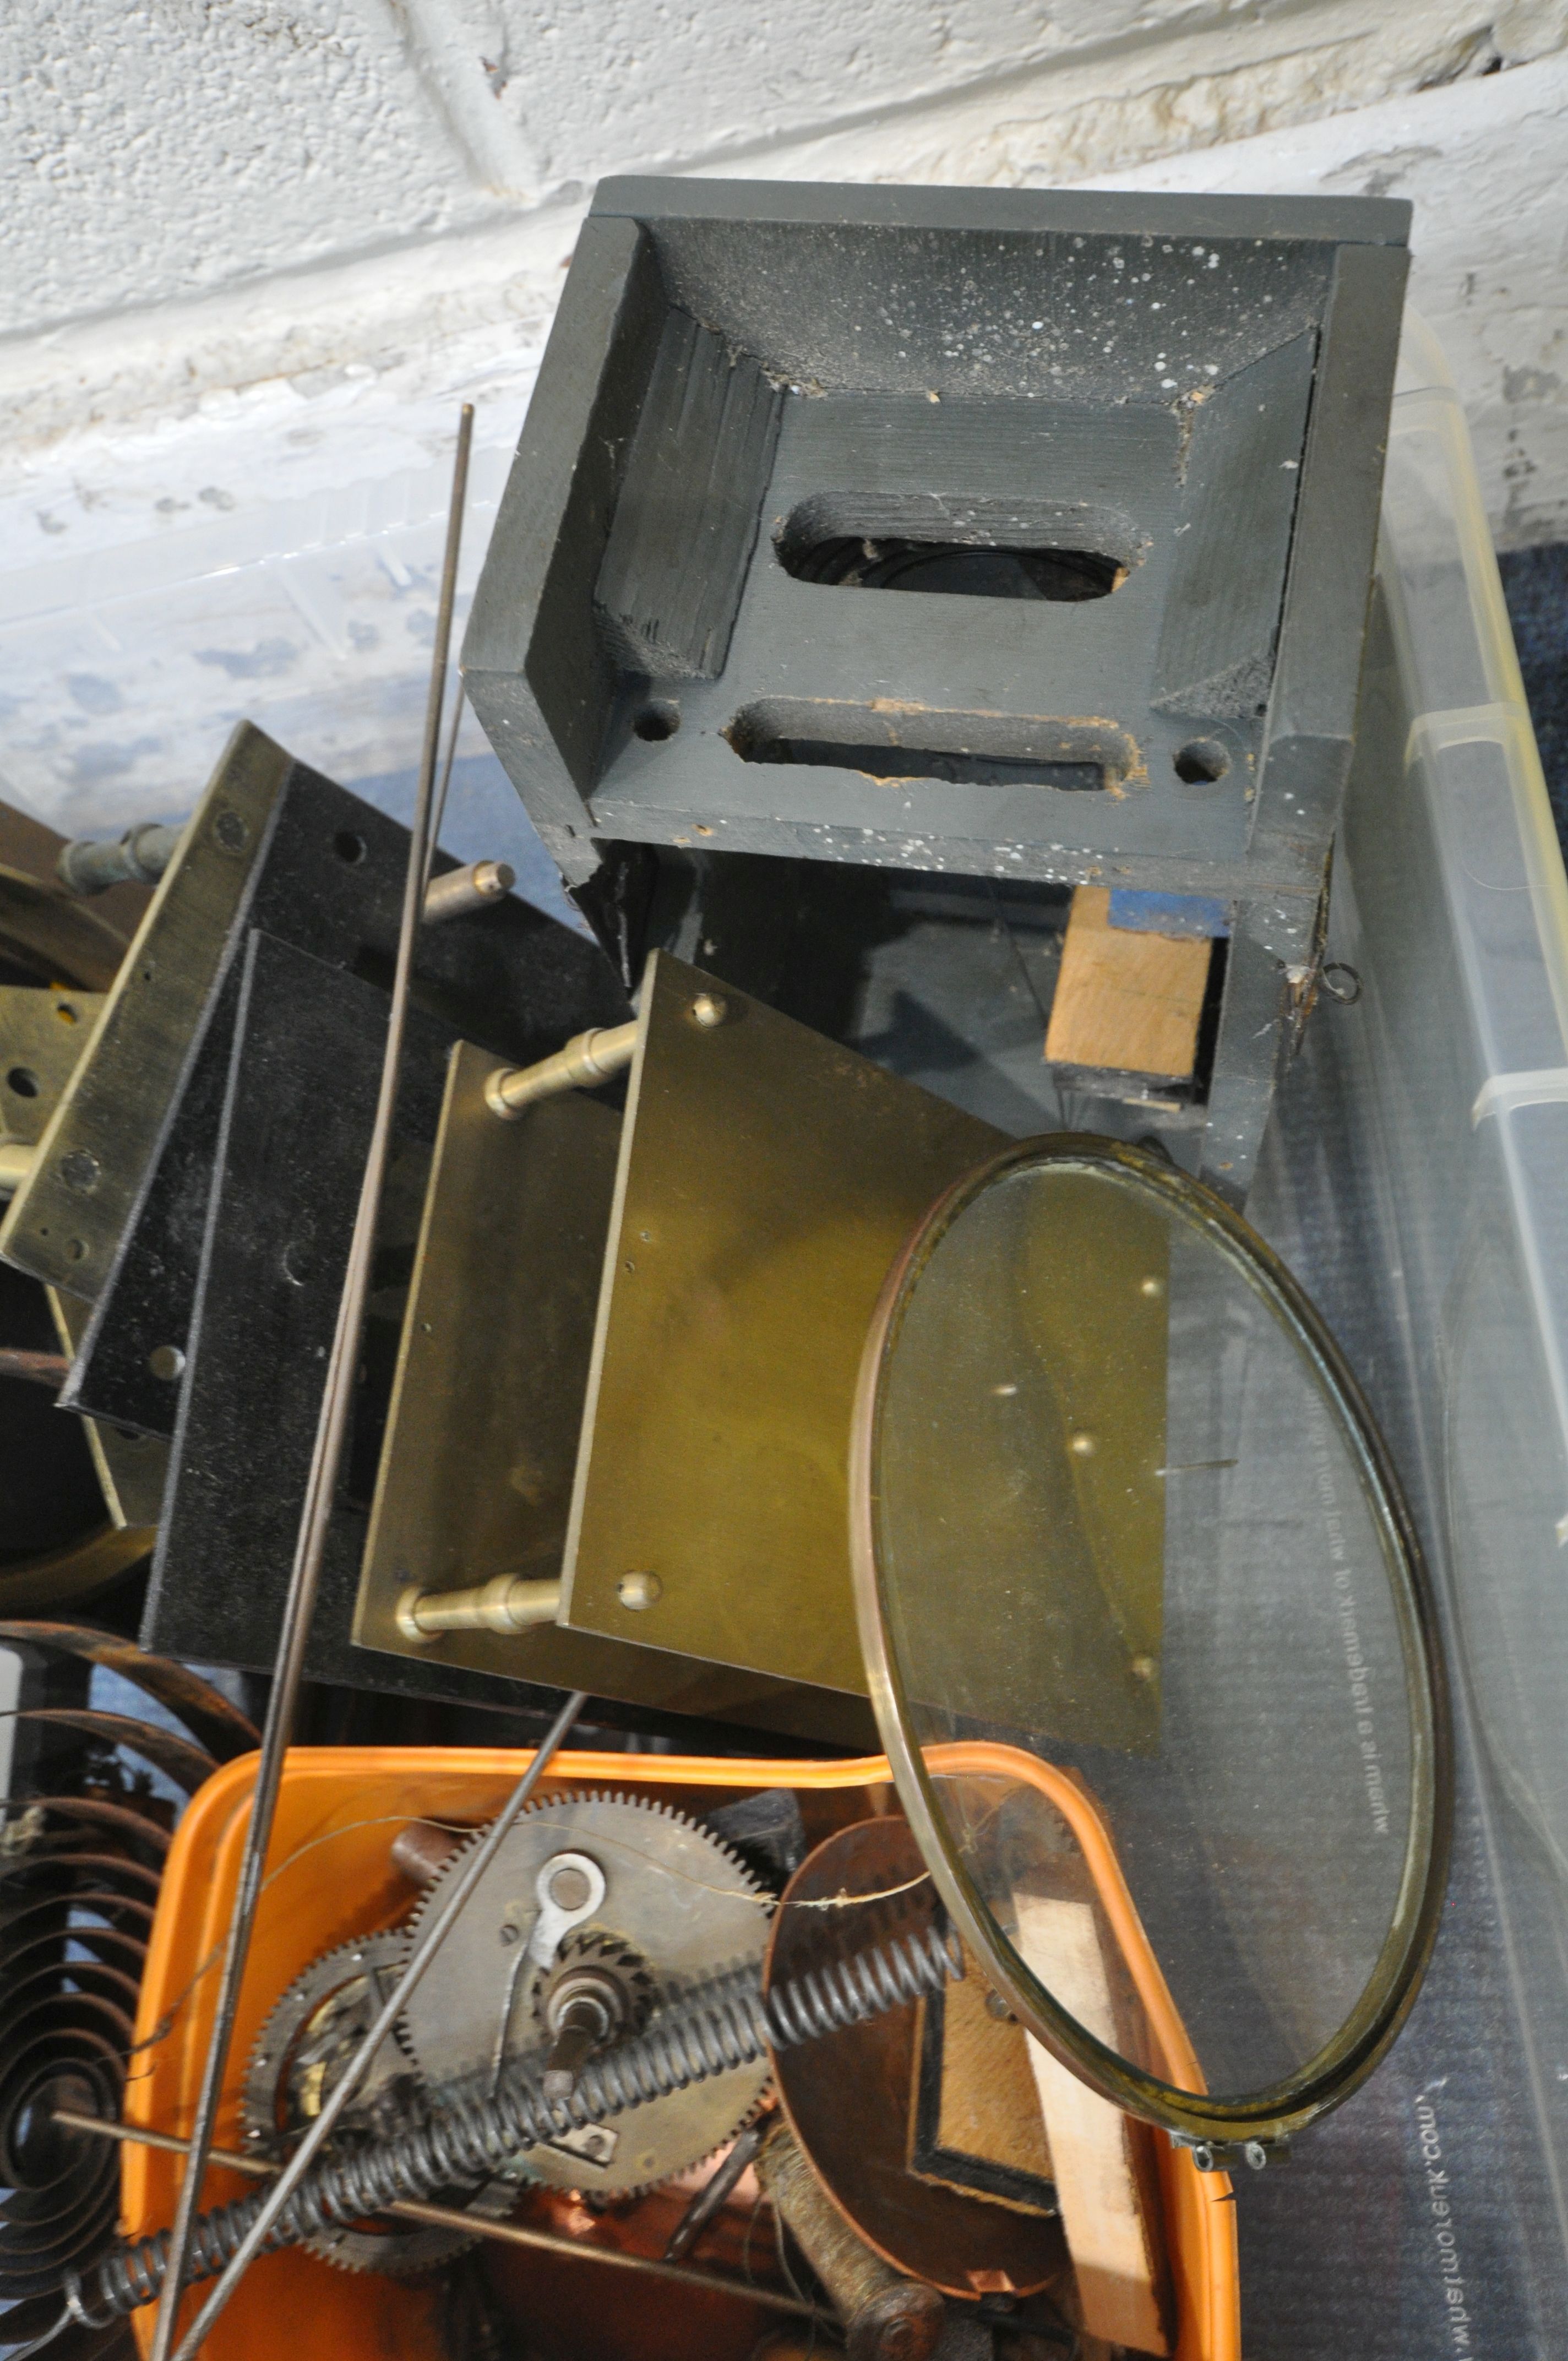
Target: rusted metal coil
{"points": [[79, 1885], [727, 2022]]}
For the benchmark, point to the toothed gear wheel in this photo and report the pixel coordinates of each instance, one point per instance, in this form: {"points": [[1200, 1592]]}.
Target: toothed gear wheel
{"points": [[626, 1877], [308, 2037], [588, 1955]]}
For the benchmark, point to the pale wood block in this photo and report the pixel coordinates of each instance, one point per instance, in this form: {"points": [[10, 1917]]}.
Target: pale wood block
{"points": [[1125, 1002], [1114, 2246]]}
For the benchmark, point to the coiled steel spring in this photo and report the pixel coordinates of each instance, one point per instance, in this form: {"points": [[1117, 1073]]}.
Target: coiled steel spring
{"points": [[471, 2131]]}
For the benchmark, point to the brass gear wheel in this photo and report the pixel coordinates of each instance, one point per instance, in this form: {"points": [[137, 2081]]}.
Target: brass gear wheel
{"points": [[310, 2033], [605, 1963], [609, 1878]]}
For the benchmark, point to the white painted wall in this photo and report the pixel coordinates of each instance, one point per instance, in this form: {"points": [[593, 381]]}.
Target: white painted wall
{"points": [[259, 249]]}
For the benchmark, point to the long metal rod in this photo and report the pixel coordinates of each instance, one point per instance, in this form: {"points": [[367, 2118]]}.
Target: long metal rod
{"points": [[452, 2217], [326, 1458], [725, 2176], [426, 1945], [138, 2135], [439, 812]]}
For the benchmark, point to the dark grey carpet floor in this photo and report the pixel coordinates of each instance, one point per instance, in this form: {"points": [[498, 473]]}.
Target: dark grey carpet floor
{"points": [[1535, 584]]}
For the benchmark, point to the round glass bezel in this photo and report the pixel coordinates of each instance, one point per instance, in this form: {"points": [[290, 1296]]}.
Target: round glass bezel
{"points": [[1276, 2111]]}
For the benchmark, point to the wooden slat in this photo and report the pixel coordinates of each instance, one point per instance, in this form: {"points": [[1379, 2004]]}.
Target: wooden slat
{"points": [[1115, 2244], [1125, 1002]]}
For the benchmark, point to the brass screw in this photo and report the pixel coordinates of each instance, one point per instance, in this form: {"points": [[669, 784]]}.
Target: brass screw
{"points": [[81, 1171], [708, 1009], [1081, 1446], [1142, 1668], [1152, 1287], [639, 1590]]}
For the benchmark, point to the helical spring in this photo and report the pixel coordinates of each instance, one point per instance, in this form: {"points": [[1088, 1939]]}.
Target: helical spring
{"points": [[471, 2131]]}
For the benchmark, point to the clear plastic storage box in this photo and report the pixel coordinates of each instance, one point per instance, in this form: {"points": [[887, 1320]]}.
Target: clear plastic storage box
{"points": [[1417, 1179]]}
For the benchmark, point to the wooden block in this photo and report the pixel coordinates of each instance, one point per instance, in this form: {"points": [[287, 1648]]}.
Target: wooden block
{"points": [[975, 2124], [1125, 1002], [1111, 2233]]}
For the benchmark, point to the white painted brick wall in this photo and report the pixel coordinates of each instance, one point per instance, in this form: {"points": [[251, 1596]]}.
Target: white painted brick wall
{"points": [[259, 249]]}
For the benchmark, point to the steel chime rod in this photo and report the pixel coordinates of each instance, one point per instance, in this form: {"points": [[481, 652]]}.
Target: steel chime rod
{"points": [[326, 1458]]}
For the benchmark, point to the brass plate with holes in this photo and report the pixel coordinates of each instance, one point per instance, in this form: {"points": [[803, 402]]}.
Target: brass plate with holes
{"points": [[476, 1475], [42, 1036], [64, 1220], [131, 1468], [768, 1178]]}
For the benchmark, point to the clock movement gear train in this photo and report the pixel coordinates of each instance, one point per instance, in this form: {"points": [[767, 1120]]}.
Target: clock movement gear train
{"points": [[314, 2025], [597, 1908], [723, 2026]]}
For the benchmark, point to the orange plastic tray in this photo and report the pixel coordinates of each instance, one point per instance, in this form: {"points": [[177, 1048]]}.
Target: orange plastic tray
{"points": [[330, 1879]]}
